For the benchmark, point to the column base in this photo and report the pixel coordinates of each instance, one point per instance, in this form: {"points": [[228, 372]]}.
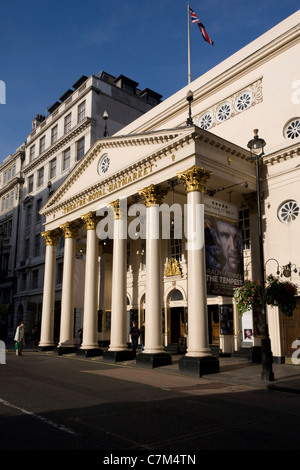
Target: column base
{"points": [[198, 365], [150, 361], [66, 350], [92, 352], [46, 348], [118, 356]]}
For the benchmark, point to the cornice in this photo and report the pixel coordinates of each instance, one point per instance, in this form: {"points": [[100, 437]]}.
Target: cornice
{"points": [[174, 139], [64, 140], [284, 154], [11, 185], [251, 62]]}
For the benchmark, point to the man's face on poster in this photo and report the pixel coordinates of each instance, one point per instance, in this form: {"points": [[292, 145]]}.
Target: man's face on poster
{"points": [[230, 241]]}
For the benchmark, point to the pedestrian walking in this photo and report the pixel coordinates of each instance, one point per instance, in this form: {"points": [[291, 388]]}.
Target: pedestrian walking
{"points": [[35, 338], [134, 332], [19, 339], [142, 335]]}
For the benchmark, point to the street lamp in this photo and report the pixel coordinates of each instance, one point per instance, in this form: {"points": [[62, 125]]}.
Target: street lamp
{"points": [[189, 98], [105, 117], [256, 146]]}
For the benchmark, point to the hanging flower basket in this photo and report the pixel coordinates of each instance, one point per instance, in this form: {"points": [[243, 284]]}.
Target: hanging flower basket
{"points": [[281, 294], [249, 294]]}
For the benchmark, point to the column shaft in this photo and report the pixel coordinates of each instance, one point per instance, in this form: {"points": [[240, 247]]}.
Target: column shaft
{"points": [[67, 303], [90, 340], [153, 330], [198, 341], [119, 288], [47, 325]]}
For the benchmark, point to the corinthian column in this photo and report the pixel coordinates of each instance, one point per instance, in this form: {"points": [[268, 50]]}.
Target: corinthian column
{"points": [[90, 346], [153, 354], [66, 340], [198, 359], [47, 326], [118, 350]]}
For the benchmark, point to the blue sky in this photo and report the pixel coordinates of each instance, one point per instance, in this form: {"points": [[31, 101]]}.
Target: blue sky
{"points": [[47, 45]]}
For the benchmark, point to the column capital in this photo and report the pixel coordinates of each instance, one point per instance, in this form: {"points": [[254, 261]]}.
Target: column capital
{"points": [[194, 178], [115, 207], [70, 229], [51, 237], [90, 220], [153, 194]]}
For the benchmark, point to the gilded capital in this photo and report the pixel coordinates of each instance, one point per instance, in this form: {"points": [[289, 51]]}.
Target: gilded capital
{"points": [[51, 237], [195, 178], [90, 220], [115, 206], [70, 229], [153, 194]]}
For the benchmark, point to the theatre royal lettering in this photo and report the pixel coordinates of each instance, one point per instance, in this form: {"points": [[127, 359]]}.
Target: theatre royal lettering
{"points": [[108, 188]]}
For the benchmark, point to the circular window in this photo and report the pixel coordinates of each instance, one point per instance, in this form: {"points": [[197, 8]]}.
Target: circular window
{"points": [[292, 130], [288, 211], [243, 101], [103, 164], [223, 112], [206, 121]]}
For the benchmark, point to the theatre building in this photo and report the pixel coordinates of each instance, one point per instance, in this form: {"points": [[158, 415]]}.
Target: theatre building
{"points": [[159, 221]]}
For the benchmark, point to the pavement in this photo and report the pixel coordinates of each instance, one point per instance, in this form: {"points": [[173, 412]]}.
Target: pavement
{"points": [[234, 371]]}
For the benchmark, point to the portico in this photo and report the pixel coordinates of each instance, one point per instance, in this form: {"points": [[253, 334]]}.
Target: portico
{"points": [[138, 168]]}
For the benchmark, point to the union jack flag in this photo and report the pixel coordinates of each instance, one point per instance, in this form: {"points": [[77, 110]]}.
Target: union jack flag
{"points": [[196, 20]]}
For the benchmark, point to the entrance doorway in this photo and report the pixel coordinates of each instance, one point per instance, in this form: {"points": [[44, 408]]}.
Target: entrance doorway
{"points": [[291, 329], [177, 324], [213, 324]]}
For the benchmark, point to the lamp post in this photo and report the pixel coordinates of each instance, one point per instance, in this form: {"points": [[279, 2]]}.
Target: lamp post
{"points": [[256, 146], [105, 117], [189, 98]]}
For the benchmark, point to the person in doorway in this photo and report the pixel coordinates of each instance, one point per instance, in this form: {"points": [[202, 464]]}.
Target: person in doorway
{"points": [[134, 332], [142, 335], [35, 338], [20, 339]]}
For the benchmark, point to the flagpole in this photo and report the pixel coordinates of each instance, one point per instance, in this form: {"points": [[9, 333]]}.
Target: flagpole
{"points": [[189, 47]]}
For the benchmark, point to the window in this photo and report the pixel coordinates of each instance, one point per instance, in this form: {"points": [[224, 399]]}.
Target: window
{"points": [[3, 203], [39, 204], [9, 174], [30, 183], [81, 111], [53, 134], [4, 176], [206, 121], [7, 201], [80, 149], [244, 224], [37, 245], [53, 168], [14, 170], [243, 101], [292, 130], [32, 153], [35, 279], [68, 123], [42, 144], [23, 281], [41, 177], [60, 268], [66, 159], [28, 215], [12, 197], [288, 211], [223, 112], [175, 245], [26, 248]]}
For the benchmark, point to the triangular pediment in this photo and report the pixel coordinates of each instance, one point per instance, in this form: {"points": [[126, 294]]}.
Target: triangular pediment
{"points": [[129, 157]]}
